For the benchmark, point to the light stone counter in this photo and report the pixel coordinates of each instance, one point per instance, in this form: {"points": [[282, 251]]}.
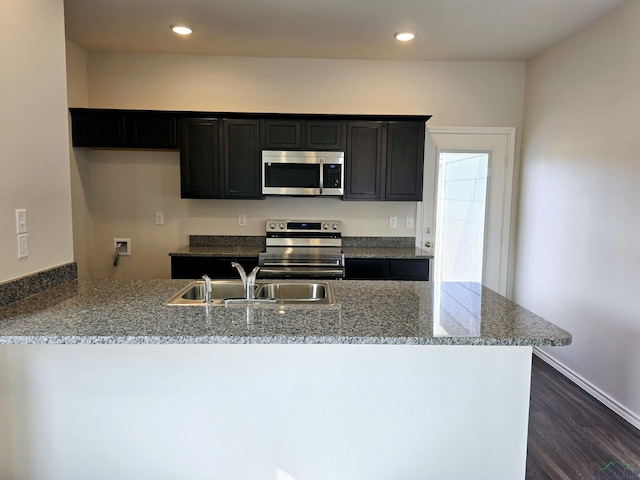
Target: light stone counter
{"points": [[341, 392], [366, 312]]}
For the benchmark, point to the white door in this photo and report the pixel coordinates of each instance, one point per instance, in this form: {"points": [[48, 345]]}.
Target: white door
{"points": [[496, 146]]}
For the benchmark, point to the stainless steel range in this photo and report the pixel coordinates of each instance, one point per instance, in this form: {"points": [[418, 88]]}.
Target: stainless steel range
{"points": [[303, 249]]}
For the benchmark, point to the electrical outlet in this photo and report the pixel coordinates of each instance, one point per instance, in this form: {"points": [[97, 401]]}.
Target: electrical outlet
{"points": [[21, 221], [122, 246], [393, 222], [409, 222], [23, 246], [242, 220], [159, 218]]}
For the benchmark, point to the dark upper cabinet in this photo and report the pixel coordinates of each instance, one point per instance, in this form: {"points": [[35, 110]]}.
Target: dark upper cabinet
{"points": [[293, 134], [324, 135], [151, 130], [220, 158], [199, 158], [404, 160], [363, 176], [384, 155], [282, 134], [384, 160], [123, 129], [241, 165], [100, 129]]}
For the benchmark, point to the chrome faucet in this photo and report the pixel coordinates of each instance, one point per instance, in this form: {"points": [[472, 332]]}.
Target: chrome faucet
{"points": [[207, 289], [249, 281]]}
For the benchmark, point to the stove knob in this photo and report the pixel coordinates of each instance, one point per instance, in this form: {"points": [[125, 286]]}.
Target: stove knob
{"points": [[325, 226], [335, 226], [281, 225], [272, 226]]}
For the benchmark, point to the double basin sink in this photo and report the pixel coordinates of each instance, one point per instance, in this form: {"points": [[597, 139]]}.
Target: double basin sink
{"points": [[230, 292]]}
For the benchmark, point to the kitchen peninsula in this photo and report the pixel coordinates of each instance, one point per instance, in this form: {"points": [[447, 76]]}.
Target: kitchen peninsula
{"points": [[395, 380]]}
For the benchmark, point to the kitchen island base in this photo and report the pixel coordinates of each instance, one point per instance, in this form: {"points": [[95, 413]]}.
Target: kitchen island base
{"points": [[263, 411]]}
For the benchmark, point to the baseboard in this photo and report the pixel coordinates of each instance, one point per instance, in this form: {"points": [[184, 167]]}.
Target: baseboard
{"points": [[596, 393]]}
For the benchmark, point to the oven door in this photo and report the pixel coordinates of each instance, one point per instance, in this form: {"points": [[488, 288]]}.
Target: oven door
{"points": [[301, 263], [316, 273]]}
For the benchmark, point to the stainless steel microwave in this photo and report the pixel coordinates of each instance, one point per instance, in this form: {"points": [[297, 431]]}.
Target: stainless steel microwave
{"points": [[302, 173]]}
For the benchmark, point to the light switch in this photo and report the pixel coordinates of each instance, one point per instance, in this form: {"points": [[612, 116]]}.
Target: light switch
{"points": [[159, 218], [23, 246], [409, 222], [21, 221]]}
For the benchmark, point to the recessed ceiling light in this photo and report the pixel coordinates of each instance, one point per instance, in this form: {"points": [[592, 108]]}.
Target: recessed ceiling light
{"points": [[181, 29], [404, 36]]}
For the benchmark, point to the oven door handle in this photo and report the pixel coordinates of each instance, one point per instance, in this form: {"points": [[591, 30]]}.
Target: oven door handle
{"points": [[301, 263], [303, 272]]}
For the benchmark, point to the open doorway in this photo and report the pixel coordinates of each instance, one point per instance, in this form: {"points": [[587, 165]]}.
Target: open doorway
{"points": [[460, 216], [454, 200]]}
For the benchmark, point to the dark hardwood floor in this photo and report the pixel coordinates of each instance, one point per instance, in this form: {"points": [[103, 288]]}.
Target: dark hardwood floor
{"points": [[572, 435]]}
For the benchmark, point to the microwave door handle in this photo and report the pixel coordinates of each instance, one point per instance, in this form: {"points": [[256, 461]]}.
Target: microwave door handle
{"points": [[321, 175]]}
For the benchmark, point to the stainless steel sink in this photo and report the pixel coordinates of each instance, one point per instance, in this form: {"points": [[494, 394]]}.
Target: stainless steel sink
{"points": [[226, 292], [294, 292]]}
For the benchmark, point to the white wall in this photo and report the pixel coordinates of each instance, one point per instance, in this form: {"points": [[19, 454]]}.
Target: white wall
{"points": [[78, 96], [34, 148], [579, 229], [241, 412], [127, 188]]}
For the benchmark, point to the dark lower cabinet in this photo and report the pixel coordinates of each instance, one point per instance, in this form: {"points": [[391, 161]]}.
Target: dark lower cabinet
{"points": [[214, 267], [355, 268], [386, 269]]}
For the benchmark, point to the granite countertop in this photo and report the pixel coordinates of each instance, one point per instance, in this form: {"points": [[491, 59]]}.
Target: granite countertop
{"points": [[236, 251], [251, 251], [385, 252], [366, 312]]}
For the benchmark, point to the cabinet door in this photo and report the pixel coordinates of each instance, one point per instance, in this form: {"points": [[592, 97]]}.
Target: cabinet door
{"points": [[190, 267], [282, 134], [364, 161], [404, 161], [214, 267], [221, 267], [409, 269], [98, 129], [199, 158], [242, 159], [155, 130], [324, 135], [365, 269]]}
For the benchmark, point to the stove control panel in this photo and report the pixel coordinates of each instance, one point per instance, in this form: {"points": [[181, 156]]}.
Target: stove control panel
{"points": [[310, 226]]}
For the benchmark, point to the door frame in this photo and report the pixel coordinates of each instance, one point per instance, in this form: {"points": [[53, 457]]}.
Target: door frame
{"points": [[426, 210]]}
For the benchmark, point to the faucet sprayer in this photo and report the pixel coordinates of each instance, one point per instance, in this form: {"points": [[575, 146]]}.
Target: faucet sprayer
{"points": [[207, 289], [248, 281]]}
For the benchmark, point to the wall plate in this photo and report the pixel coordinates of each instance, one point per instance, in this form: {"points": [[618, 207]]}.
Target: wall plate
{"points": [[122, 245]]}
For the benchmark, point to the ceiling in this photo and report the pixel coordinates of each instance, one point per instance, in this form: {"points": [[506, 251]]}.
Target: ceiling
{"points": [[483, 30]]}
